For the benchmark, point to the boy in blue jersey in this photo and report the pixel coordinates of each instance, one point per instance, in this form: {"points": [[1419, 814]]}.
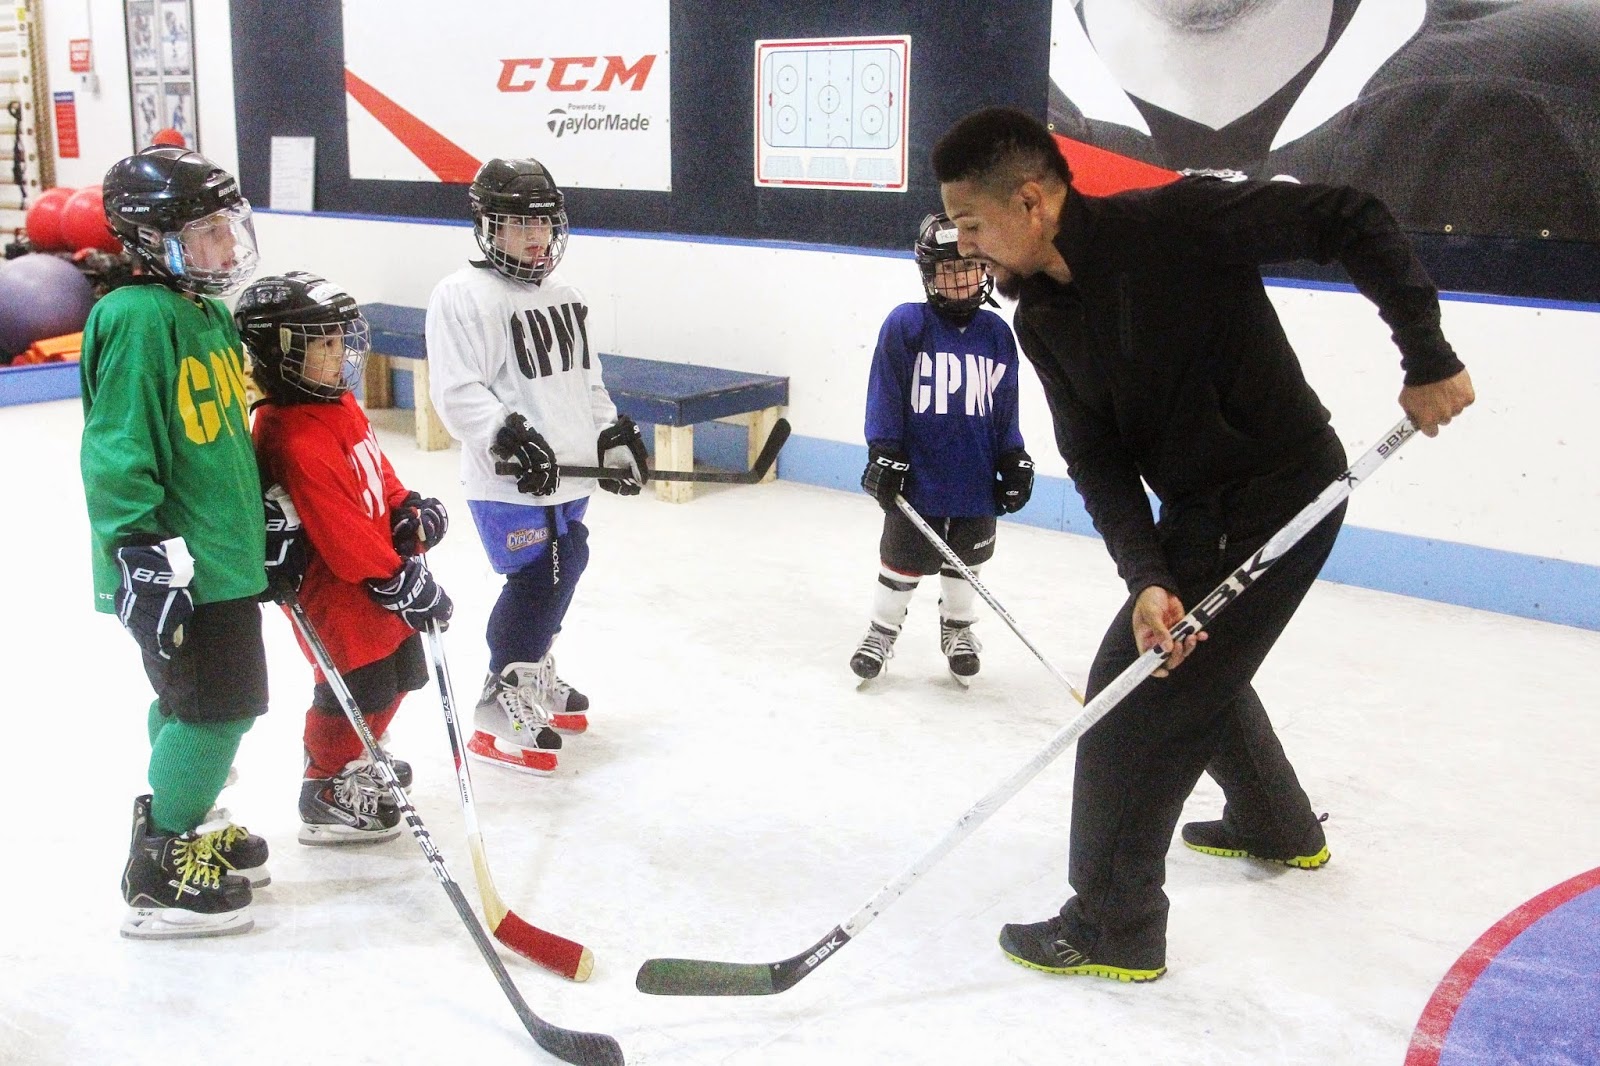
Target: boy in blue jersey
{"points": [[942, 432]]}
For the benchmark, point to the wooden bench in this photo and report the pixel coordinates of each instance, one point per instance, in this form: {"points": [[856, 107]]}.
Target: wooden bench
{"points": [[673, 397]]}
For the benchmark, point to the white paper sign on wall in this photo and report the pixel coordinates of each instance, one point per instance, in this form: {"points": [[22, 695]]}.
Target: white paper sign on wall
{"points": [[832, 114]]}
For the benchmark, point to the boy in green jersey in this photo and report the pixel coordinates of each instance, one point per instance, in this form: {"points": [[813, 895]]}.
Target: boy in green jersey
{"points": [[175, 511]]}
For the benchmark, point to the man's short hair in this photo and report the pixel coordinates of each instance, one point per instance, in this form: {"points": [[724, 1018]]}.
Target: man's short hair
{"points": [[998, 149]]}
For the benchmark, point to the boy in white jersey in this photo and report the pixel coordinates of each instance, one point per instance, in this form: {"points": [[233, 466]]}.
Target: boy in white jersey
{"points": [[514, 379]]}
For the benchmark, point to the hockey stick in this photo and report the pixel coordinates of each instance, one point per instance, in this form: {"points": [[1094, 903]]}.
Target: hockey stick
{"points": [[965, 571], [757, 471], [581, 1049], [691, 977], [553, 952]]}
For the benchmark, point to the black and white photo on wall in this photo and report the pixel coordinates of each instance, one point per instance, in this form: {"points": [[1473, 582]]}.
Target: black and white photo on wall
{"points": [[161, 76]]}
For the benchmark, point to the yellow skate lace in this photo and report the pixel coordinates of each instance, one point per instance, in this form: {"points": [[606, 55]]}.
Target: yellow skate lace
{"points": [[195, 858]]}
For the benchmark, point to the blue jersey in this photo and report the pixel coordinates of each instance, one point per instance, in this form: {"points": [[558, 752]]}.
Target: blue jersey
{"points": [[947, 395]]}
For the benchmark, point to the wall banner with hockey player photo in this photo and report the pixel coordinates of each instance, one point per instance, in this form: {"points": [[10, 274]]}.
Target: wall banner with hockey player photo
{"points": [[1465, 118], [585, 89]]}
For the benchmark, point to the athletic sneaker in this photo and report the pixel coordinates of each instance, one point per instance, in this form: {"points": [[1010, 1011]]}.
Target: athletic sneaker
{"points": [[176, 887], [1215, 838], [1041, 946], [351, 807]]}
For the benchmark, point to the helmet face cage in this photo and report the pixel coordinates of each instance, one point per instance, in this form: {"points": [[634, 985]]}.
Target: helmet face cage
{"points": [[525, 246], [213, 256], [938, 257], [323, 359]]}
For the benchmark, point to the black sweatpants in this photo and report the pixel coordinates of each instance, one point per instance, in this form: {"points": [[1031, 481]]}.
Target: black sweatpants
{"points": [[1139, 763]]}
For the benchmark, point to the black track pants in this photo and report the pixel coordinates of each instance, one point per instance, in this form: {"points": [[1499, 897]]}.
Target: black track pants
{"points": [[1137, 766]]}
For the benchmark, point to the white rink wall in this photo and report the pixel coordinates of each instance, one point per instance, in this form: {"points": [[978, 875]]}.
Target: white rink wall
{"points": [[1500, 512]]}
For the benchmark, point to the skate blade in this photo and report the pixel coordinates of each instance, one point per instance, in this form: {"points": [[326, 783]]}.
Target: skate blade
{"points": [[322, 836], [570, 724], [172, 923], [961, 679], [485, 748]]}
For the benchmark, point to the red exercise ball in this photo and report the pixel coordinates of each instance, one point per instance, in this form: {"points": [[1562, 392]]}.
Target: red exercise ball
{"points": [[83, 222], [44, 220], [169, 137]]}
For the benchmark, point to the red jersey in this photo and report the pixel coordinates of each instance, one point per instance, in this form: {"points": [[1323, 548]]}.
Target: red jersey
{"points": [[327, 459]]}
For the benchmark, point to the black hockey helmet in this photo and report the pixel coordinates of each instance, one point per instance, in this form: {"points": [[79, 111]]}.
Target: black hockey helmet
{"points": [[290, 324], [519, 217], [936, 243], [183, 217]]}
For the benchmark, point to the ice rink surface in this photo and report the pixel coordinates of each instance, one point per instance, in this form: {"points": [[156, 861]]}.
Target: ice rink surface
{"points": [[737, 796]]}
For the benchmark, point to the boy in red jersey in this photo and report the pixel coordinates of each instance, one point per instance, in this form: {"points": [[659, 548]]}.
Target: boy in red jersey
{"points": [[366, 588]]}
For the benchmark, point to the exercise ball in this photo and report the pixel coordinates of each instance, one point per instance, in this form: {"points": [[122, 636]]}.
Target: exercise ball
{"points": [[40, 296], [169, 137], [44, 220], [83, 222]]}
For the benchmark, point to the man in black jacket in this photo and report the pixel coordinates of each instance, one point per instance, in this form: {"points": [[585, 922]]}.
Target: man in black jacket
{"points": [[1163, 360]]}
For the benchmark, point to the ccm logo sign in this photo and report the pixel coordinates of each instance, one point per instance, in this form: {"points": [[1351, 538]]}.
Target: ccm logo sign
{"points": [[569, 74]]}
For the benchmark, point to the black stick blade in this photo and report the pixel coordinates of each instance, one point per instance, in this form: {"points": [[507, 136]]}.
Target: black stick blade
{"points": [[696, 977], [580, 1049], [693, 977], [770, 450]]}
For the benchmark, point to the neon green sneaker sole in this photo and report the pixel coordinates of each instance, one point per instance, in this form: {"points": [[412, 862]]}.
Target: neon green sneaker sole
{"points": [[1110, 973], [1300, 862]]}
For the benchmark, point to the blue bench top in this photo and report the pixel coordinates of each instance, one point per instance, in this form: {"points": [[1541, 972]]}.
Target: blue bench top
{"points": [[646, 390]]}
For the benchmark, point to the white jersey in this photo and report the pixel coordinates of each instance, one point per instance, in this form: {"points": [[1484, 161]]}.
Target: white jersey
{"points": [[498, 346]]}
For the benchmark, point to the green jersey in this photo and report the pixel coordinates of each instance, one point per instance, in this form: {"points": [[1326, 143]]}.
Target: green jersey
{"points": [[166, 440]]}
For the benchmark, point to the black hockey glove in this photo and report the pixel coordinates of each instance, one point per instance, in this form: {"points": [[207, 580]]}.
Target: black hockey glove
{"points": [[620, 444], [417, 524], [526, 456], [287, 555], [413, 595], [885, 476], [154, 602], [1014, 484]]}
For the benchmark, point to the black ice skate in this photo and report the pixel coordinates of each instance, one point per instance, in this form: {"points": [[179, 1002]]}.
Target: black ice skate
{"points": [[241, 851], [402, 769], [1041, 946], [875, 649], [961, 648], [1215, 838], [351, 807], [176, 887]]}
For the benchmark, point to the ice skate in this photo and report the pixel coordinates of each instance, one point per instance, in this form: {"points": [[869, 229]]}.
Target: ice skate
{"points": [[875, 649], [176, 887], [568, 707], [961, 647], [511, 724], [241, 851], [402, 769], [351, 807]]}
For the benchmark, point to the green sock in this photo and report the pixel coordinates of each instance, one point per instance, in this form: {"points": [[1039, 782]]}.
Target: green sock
{"points": [[155, 721], [188, 764]]}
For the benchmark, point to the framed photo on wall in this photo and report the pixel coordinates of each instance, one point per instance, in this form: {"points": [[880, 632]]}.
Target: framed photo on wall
{"points": [[161, 84], [142, 39]]}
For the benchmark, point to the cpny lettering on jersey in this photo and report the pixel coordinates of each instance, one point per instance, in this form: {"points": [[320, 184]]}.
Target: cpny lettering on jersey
{"points": [[211, 395], [942, 375], [540, 332], [571, 74]]}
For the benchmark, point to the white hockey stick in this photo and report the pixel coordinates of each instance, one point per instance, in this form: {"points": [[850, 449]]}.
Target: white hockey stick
{"points": [[988, 597], [696, 977]]}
